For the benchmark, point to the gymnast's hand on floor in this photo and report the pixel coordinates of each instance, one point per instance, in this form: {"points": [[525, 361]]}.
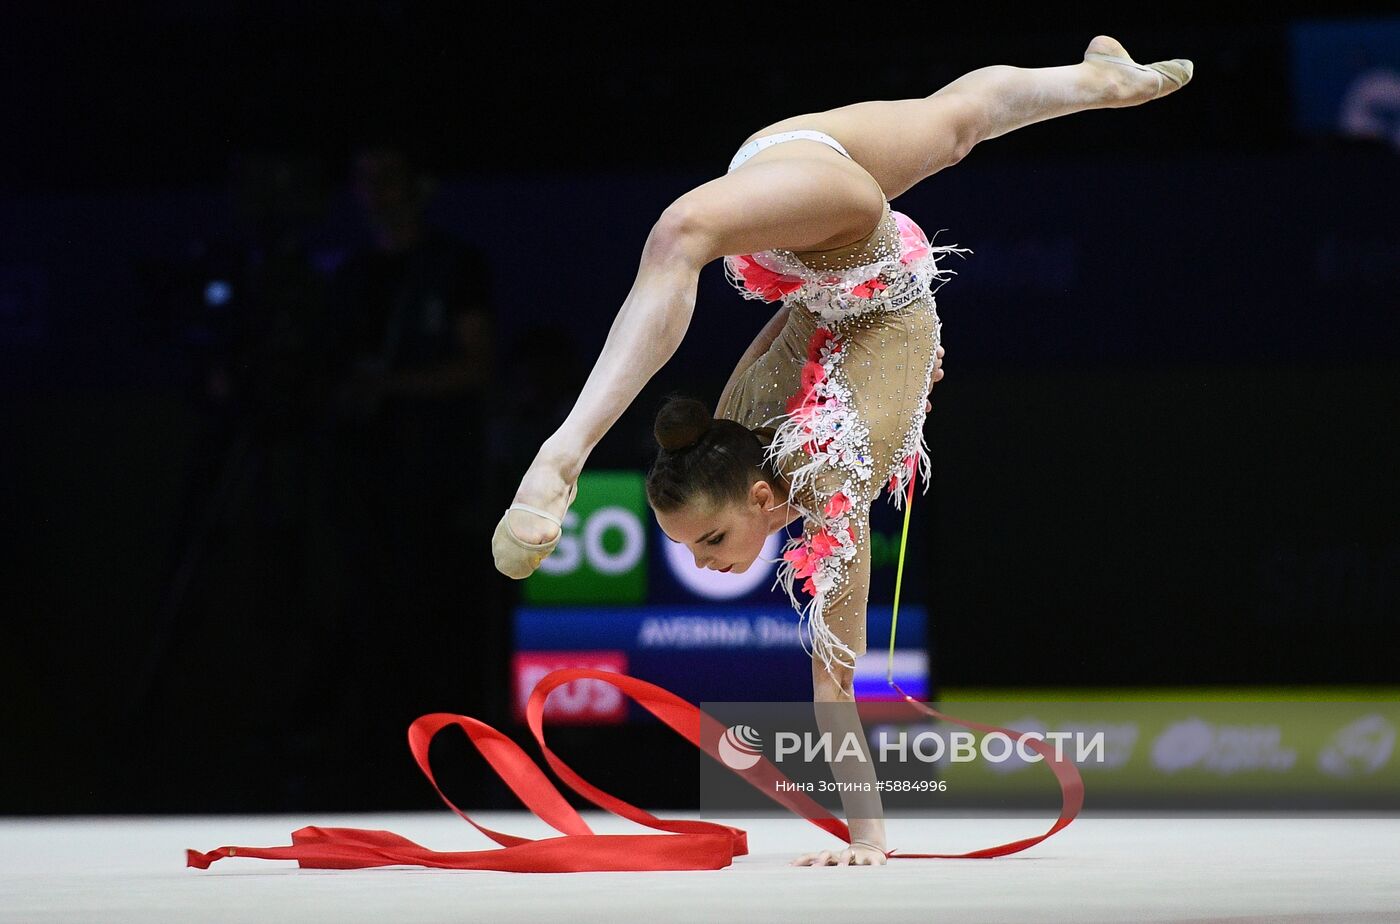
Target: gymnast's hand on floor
{"points": [[854, 855], [937, 374]]}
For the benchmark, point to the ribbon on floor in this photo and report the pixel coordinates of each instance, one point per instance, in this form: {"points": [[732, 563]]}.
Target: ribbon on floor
{"points": [[690, 845]]}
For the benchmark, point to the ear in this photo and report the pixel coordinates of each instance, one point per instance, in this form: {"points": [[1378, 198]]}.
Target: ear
{"points": [[761, 493]]}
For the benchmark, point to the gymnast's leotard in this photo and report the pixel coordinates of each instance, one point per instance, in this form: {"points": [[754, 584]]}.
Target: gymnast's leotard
{"points": [[844, 385]]}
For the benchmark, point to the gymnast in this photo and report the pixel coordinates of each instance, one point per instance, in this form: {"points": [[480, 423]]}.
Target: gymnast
{"points": [[825, 410]]}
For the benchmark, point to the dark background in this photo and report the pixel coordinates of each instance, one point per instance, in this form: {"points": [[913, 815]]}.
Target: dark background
{"points": [[1164, 452]]}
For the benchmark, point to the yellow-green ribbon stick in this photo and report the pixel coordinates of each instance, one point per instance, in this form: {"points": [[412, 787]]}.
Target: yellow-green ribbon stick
{"points": [[898, 579]]}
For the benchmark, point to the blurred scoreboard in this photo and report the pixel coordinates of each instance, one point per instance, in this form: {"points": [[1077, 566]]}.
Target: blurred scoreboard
{"points": [[617, 594], [1346, 77]]}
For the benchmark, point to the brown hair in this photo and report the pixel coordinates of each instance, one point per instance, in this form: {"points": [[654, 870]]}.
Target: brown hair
{"points": [[704, 457]]}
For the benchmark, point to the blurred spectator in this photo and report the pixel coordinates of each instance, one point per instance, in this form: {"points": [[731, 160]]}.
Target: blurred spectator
{"points": [[412, 311], [410, 358]]}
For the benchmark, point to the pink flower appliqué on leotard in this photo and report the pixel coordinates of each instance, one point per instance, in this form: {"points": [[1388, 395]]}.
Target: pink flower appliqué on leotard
{"points": [[913, 242], [868, 288], [763, 281]]}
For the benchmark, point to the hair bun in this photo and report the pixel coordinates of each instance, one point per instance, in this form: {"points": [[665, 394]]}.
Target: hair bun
{"points": [[681, 423]]}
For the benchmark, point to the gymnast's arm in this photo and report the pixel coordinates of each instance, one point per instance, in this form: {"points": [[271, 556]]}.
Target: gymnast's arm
{"points": [[760, 345], [844, 616]]}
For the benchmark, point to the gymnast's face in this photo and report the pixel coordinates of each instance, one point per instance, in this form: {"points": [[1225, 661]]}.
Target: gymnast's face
{"points": [[727, 537]]}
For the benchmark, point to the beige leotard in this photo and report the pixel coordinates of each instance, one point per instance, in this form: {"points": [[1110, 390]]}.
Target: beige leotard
{"points": [[844, 383]]}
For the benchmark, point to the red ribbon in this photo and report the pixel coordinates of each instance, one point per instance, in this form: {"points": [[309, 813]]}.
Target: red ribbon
{"points": [[692, 844]]}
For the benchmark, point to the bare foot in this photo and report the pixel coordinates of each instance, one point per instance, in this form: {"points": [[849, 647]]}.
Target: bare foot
{"points": [[854, 855], [1125, 85]]}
